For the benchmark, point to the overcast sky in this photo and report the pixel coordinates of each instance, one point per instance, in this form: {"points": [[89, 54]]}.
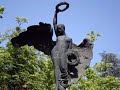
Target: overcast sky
{"points": [[83, 16]]}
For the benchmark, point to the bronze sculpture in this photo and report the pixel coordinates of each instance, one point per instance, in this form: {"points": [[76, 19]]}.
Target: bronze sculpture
{"points": [[59, 56], [70, 60]]}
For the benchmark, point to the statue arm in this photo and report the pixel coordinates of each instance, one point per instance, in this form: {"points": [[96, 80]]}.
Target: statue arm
{"points": [[55, 21]]}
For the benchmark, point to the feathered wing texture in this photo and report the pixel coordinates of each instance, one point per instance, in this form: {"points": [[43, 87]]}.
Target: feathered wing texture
{"points": [[85, 55], [39, 36]]}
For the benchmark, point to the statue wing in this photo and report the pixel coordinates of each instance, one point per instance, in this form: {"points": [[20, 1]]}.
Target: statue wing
{"points": [[39, 36], [84, 55]]}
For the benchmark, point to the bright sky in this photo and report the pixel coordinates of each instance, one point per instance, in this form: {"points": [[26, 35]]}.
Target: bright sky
{"points": [[83, 16]]}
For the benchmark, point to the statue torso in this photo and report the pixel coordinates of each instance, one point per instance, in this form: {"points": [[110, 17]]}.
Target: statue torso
{"points": [[62, 43]]}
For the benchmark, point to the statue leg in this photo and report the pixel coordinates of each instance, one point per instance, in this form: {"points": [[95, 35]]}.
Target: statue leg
{"points": [[57, 72], [60, 69], [57, 75], [64, 70]]}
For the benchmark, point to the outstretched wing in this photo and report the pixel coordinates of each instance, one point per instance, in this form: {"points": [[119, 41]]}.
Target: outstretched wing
{"points": [[85, 54], [39, 36]]}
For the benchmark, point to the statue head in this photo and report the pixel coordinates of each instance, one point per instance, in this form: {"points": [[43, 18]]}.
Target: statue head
{"points": [[60, 29]]}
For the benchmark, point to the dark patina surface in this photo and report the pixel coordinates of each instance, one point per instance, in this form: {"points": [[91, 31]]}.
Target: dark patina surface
{"points": [[70, 60]]}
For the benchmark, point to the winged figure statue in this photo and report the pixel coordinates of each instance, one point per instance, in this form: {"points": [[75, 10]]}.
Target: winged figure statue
{"points": [[70, 60]]}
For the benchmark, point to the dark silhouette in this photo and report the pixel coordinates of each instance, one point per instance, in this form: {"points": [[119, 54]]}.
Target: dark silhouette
{"points": [[40, 36]]}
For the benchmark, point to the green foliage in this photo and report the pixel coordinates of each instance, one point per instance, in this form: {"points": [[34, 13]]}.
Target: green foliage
{"points": [[8, 35], [102, 66], [21, 20], [110, 65], [24, 67], [4, 36], [2, 8], [46, 78], [17, 65], [93, 81], [93, 36]]}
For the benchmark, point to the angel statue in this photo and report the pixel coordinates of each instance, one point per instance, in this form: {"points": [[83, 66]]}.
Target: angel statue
{"points": [[69, 60]]}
